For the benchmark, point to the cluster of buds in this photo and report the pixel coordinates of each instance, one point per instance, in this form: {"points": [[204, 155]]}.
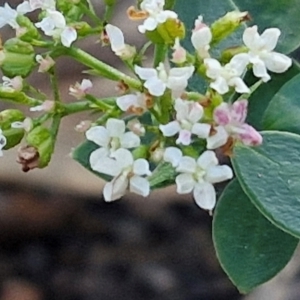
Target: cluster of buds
{"points": [[164, 123]]}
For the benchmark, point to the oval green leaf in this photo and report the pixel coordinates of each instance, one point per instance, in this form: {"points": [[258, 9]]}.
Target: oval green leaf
{"points": [[270, 176], [250, 249], [283, 112], [264, 95]]}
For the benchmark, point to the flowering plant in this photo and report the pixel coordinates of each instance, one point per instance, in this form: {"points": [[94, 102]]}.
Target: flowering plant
{"points": [[219, 88]]}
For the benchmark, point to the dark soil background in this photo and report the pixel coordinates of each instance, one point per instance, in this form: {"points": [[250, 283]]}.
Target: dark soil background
{"points": [[68, 247]]}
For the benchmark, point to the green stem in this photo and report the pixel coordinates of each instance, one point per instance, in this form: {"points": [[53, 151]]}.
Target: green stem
{"points": [[108, 12], [103, 105], [55, 125], [90, 13], [19, 98], [42, 44], [160, 52], [55, 86], [106, 70]]}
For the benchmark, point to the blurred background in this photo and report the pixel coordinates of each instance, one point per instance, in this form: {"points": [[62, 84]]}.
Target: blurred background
{"points": [[60, 240]]}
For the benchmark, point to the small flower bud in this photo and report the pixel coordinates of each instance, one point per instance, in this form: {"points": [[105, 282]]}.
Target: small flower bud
{"points": [[46, 63], [13, 135], [15, 83], [179, 53], [227, 24], [166, 33], [17, 58], [27, 31], [41, 140]]}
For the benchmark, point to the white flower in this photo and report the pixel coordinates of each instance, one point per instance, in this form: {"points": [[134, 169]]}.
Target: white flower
{"points": [[117, 42], [228, 75], [201, 38], [79, 90], [111, 138], [179, 53], [54, 24], [8, 16], [45, 63], [136, 103], [157, 80], [231, 122], [188, 114], [156, 14], [172, 155], [46, 106], [261, 53], [42, 4], [15, 83], [126, 172], [199, 176], [27, 124], [2, 142]]}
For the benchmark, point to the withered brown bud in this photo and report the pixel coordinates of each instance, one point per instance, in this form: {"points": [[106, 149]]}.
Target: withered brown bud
{"points": [[28, 157]]}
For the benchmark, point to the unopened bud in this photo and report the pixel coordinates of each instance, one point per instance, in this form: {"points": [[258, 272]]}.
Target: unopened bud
{"points": [[13, 135], [27, 31], [40, 138], [227, 24], [17, 58]]}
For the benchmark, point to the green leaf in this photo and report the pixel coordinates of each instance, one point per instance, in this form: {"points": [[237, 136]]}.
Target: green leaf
{"points": [[250, 248], [163, 175], [270, 176], [82, 155], [265, 14], [260, 99], [283, 112]]}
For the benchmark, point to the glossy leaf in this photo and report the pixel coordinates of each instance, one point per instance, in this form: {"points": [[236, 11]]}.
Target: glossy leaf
{"points": [[250, 248], [270, 176], [265, 14], [261, 98], [283, 112]]}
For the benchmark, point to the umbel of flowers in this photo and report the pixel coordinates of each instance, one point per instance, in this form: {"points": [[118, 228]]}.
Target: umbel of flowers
{"points": [[155, 130]]}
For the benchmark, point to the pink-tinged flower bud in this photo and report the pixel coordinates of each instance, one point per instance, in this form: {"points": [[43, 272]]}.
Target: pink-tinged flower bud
{"points": [[230, 119], [79, 90], [47, 106], [15, 83], [46, 63], [83, 126], [179, 53]]}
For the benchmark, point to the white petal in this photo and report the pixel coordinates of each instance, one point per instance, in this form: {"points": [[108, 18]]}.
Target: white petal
{"points": [[126, 101], [201, 130], [201, 38], [170, 129], [155, 86], [115, 127], [97, 156], [207, 159], [218, 139], [185, 183], [123, 158], [141, 167], [277, 62], [116, 37], [68, 36], [195, 113], [139, 185], [239, 63], [145, 73], [182, 109], [187, 164], [239, 84], [173, 156], [130, 140], [213, 68], [205, 195], [220, 85], [217, 174], [260, 70], [104, 164], [24, 8], [270, 37], [252, 39], [149, 24], [184, 137], [115, 189], [99, 135]]}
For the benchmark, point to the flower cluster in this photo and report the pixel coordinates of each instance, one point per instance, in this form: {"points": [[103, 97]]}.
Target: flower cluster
{"points": [[155, 130]]}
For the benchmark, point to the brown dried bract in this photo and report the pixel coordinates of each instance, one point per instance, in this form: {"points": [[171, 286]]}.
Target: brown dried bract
{"points": [[28, 157], [134, 14]]}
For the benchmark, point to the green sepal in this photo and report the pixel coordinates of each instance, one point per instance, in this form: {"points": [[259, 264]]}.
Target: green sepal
{"points": [[31, 31], [19, 58], [13, 135], [41, 139]]}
